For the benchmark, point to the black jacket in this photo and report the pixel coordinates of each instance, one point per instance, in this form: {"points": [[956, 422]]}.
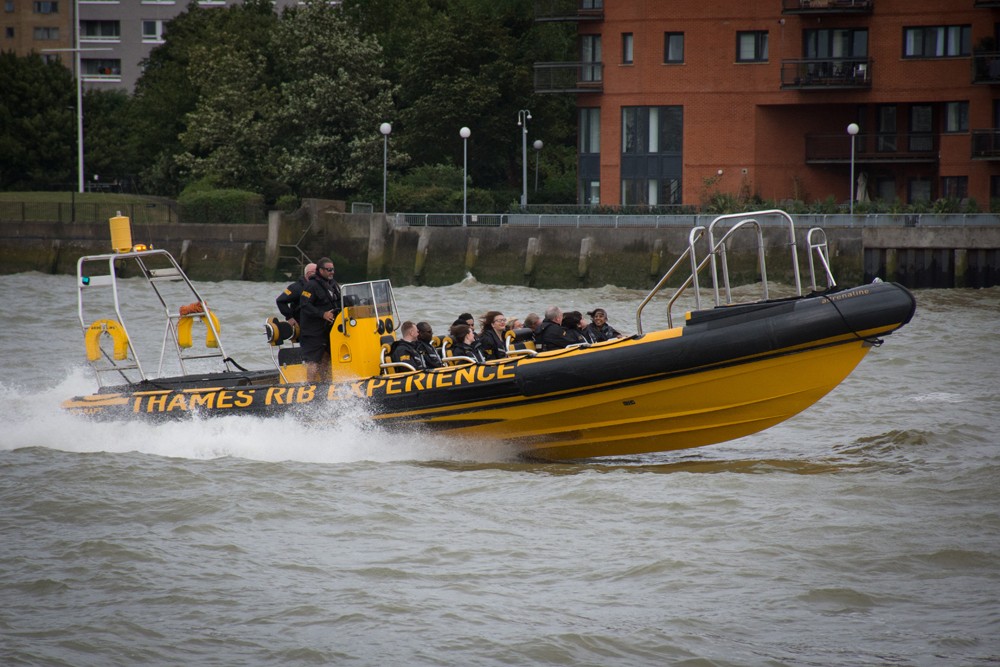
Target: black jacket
{"points": [[603, 333], [551, 336], [407, 352], [431, 357], [318, 296], [288, 301], [492, 345], [475, 351]]}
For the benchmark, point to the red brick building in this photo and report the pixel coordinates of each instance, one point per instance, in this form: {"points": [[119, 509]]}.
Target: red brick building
{"points": [[683, 97]]}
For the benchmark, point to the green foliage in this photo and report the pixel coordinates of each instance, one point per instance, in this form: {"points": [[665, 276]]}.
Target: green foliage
{"points": [[37, 124], [221, 206], [287, 203]]}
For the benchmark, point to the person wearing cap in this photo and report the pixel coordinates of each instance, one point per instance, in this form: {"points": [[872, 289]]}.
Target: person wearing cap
{"points": [[599, 329], [288, 300]]}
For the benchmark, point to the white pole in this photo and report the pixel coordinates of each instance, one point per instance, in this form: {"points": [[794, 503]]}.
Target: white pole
{"points": [[852, 130], [465, 133], [523, 116], [385, 129], [79, 96]]}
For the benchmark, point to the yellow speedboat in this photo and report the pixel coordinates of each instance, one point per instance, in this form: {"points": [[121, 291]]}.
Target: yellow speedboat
{"points": [[728, 371]]}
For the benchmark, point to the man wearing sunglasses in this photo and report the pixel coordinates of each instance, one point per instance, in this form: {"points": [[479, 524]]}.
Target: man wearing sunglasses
{"points": [[318, 307]]}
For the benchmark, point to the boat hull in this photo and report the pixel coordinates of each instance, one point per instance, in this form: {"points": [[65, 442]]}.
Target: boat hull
{"points": [[727, 373]]}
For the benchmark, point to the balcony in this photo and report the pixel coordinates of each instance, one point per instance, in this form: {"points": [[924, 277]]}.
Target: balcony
{"points": [[582, 77], [986, 67], [826, 74], [813, 7], [986, 144], [877, 148], [569, 10], [986, 3]]}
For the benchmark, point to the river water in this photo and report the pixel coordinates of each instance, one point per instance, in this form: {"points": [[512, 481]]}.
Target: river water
{"points": [[864, 531]]}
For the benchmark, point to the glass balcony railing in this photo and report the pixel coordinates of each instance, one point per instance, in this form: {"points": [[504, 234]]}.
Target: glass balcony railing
{"points": [[986, 68], [897, 147], [826, 73], [986, 144], [827, 6], [569, 10], [579, 77]]}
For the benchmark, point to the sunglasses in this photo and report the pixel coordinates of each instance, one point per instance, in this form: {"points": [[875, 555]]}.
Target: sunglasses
{"points": [[326, 268]]}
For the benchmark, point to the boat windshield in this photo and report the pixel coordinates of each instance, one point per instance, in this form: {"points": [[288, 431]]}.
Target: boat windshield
{"points": [[370, 299]]}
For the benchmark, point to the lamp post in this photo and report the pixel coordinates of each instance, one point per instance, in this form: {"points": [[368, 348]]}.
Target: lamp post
{"points": [[386, 130], [464, 133], [523, 116], [852, 130], [538, 152]]}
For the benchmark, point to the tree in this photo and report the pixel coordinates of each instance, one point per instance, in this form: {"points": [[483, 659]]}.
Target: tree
{"points": [[37, 124]]}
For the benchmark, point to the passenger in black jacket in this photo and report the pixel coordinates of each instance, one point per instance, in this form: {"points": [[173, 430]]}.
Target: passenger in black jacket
{"points": [[551, 335], [425, 334], [491, 338], [599, 329], [318, 307], [466, 344], [571, 322], [288, 300], [405, 349]]}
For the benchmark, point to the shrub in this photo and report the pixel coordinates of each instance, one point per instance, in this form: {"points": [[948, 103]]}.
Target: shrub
{"points": [[221, 206]]}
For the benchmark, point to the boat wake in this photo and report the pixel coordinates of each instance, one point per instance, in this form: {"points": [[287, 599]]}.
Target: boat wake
{"points": [[34, 418]]}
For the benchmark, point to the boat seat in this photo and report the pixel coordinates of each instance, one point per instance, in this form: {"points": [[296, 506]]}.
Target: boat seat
{"points": [[289, 356], [279, 331], [520, 341]]}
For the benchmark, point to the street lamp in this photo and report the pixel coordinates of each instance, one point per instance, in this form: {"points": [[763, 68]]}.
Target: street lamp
{"points": [[538, 151], [464, 133], [523, 116], [386, 130], [852, 130]]}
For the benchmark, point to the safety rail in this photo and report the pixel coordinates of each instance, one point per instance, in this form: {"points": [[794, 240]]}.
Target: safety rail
{"points": [[143, 260], [716, 261]]}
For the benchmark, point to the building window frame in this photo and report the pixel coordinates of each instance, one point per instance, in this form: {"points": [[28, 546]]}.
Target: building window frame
{"points": [[937, 41], [628, 48], [955, 187], [45, 7], [152, 31], [100, 31], [956, 117], [45, 33], [752, 46], [673, 48]]}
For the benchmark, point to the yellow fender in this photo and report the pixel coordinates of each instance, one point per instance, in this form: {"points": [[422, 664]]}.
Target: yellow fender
{"points": [[184, 329], [118, 336]]}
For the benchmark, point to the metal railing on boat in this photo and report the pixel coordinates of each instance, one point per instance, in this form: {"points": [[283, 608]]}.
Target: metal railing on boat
{"points": [[716, 260]]}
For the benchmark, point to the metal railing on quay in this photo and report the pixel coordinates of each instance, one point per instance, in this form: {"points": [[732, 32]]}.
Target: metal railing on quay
{"points": [[84, 213]]}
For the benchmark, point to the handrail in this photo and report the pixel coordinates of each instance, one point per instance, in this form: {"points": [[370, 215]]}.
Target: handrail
{"points": [[823, 252], [717, 261]]}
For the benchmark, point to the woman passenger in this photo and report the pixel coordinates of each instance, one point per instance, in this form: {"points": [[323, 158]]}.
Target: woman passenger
{"points": [[466, 344], [572, 322], [599, 329], [491, 336]]}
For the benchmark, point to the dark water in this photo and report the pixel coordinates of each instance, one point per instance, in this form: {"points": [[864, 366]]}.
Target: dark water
{"points": [[864, 531]]}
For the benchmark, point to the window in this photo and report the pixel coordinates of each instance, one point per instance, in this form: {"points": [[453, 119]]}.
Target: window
{"points": [[590, 130], [152, 31], [46, 34], [651, 155], [919, 190], [937, 41], [100, 30], [45, 7], [673, 47], [886, 129], [885, 188], [101, 67], [8, 6], [836, 43], [751, 47], [590, 55], [9, 32], [955, 187], [627, 48], [921, 128], [956, 116]]}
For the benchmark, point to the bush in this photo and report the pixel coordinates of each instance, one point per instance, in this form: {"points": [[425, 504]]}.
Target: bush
{"points": [[220, 206]]}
